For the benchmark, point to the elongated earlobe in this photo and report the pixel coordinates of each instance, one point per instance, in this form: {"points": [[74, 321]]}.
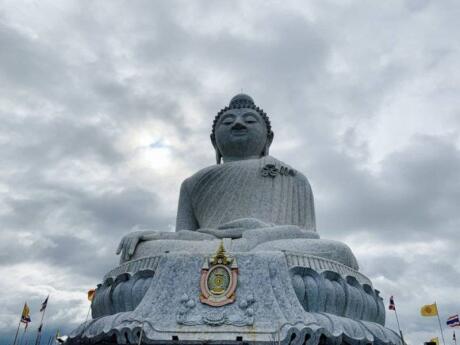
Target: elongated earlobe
{"points": [[218, 157], [269, 141], [216, 149], [266, 151]]}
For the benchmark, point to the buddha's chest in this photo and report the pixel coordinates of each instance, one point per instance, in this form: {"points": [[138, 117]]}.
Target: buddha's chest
{"points": [[247, 191]]}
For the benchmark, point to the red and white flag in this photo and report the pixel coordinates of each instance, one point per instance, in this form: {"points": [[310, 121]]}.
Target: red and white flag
{"points": [[453, 321], [392, 305]]}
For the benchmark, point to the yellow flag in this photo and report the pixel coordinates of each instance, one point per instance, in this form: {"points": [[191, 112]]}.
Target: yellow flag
{"points": [[91, 294], [429, 310], [25, 317], [435, 340], [25, 311]]}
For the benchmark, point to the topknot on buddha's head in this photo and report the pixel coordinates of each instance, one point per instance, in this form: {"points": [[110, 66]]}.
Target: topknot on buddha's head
{"points": [[241, 99]]}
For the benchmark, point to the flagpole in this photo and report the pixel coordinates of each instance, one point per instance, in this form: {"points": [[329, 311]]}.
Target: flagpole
{"points": [[87, 314], [91, 294], [39, 331], [455, 339], [439, 320], [392, 306], [399, 327], [17, 332], [25, 330]]}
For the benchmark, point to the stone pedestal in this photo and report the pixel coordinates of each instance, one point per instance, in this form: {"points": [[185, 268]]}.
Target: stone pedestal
{"points": [[281, 298]]}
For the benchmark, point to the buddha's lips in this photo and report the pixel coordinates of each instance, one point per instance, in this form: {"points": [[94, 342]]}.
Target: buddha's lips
{"points": [[239, 132]]}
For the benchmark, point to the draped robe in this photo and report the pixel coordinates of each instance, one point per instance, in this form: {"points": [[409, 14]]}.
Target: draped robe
{"points": [[264, 189]]}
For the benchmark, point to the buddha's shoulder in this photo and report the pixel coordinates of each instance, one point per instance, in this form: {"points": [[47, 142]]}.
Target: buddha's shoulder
{"points": [[224, 169], [267, 165], [192, 180], [283, 169], [204, 171]]}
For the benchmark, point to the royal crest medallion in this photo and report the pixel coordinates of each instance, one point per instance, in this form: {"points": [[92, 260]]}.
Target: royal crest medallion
{"points": [[219, 276]]}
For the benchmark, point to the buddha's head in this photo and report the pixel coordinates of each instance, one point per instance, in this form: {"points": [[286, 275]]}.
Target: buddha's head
{"points": [[241, 131]]}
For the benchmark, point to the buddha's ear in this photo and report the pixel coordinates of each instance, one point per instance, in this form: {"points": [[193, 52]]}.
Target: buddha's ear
{"points": [[268, 143], [216, 149]]}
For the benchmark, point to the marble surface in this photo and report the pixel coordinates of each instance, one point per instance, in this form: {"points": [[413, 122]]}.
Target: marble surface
{"points": [[269, 304]]}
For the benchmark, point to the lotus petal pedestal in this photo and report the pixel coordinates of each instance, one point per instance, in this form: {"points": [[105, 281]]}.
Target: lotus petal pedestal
{"points": [[280, 298]]}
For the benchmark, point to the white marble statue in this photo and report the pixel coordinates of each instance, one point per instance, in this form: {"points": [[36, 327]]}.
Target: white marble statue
{"points": [[252, 198], [245, 264]]}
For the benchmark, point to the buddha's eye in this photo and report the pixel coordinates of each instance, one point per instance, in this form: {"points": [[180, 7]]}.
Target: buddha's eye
{"points": [[228, 120], [250, 119]]}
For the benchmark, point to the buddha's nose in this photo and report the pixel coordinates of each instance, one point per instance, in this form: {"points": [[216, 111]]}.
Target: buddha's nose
{"points": [[238, 125]]}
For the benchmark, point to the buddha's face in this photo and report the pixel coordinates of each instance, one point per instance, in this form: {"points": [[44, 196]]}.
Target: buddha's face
{"points": [[241, 134]]}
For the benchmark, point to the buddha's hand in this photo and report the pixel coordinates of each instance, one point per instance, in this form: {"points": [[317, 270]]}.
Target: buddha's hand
{"points": [[129, 243]]}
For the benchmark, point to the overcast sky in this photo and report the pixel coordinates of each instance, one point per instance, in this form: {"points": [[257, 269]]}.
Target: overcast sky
{"points": [[106, 106]]}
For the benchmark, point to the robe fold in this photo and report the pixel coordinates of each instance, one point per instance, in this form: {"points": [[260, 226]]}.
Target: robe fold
{"points": [[265, 189]]}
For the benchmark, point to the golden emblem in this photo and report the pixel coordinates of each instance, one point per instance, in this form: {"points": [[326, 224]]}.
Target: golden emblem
{"points": [[219, 276]]}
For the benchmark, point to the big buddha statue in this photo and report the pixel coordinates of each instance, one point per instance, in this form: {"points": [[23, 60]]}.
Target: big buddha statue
{"points": [[245, 264]]}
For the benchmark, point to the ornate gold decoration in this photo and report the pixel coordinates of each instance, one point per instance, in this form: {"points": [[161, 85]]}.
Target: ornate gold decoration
{"points": [[219, 276], [221, 256]]}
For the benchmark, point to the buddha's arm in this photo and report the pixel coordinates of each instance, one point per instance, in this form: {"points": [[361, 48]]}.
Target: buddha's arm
{"points": [[185, 219], [311, 218], [129, 242]]}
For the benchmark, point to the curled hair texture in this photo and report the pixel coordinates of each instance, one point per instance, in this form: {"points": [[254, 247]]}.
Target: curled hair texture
{"points": [[239, 104]]}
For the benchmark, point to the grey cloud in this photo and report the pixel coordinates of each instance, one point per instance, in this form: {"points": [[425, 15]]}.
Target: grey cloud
{"points": [[126, 209], [112, 211], [27, 63], [73, 85], [413, 195], [41, 142]]}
